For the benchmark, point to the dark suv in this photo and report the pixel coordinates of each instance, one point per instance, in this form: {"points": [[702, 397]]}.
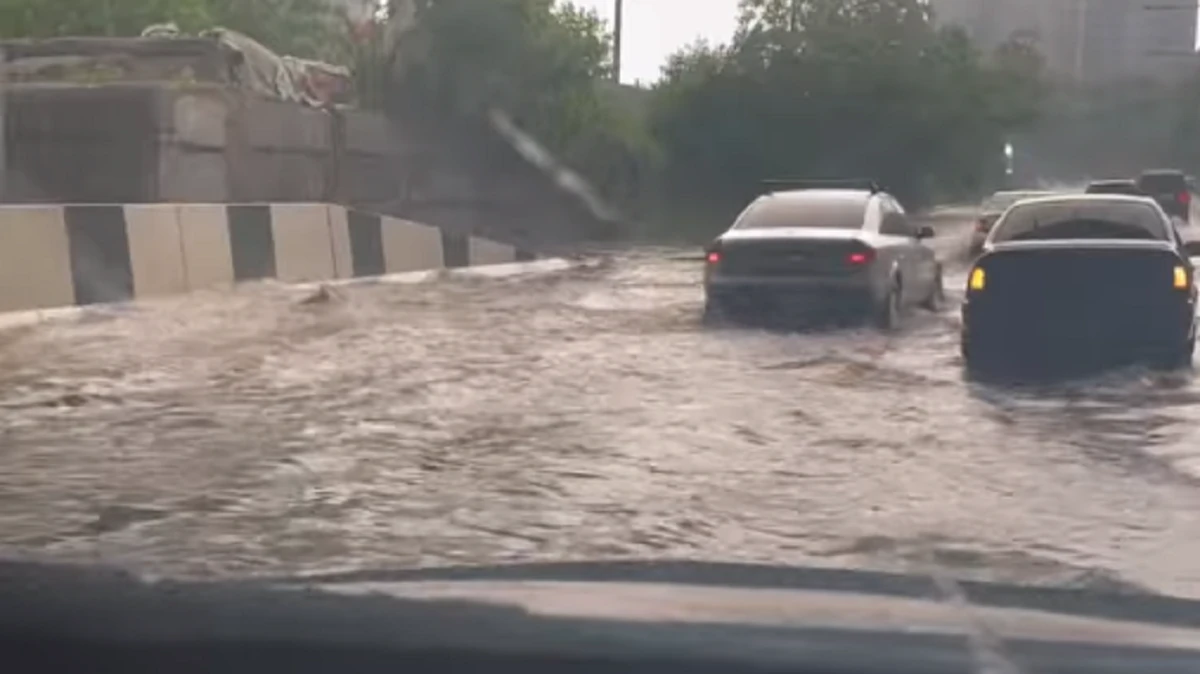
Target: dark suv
{"points": [[1171, 189]]}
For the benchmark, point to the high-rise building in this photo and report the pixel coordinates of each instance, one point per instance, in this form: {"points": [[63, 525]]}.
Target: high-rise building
{"points": [[1086, 40], [1163, 36]]}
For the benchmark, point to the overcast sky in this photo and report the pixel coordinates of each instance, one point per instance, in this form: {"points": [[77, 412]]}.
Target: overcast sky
{"points": [[654, 29]]}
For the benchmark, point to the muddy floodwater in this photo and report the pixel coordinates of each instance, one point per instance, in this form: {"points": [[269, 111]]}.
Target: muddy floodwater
{"points": [[570, 415]]}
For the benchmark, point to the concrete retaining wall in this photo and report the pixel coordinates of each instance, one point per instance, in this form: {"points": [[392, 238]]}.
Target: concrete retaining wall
{"points": [[147, 142], [52, 256]]}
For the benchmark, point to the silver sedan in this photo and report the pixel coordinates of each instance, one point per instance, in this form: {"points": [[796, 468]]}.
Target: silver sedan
{"points": [[851, 252]]}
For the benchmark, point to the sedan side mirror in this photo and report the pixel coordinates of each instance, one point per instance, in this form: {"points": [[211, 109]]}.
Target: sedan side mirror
{"points": [[926, 232], [1192, 248]]}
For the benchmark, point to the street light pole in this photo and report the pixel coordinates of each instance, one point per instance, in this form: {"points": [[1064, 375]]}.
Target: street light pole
{"points": [[1081, 7], [3, 124], [1008, 165], [618, 20]]}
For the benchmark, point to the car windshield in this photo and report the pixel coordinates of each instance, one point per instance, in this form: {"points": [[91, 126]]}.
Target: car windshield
{"points": [[804, 210], [292, 286], [1081, 220]]}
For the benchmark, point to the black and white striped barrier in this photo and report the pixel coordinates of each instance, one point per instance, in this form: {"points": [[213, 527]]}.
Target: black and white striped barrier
{"points": [[53, 256]]}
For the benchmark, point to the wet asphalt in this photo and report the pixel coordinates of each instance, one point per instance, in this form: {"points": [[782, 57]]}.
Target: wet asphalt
{"points": [[578, 414]]}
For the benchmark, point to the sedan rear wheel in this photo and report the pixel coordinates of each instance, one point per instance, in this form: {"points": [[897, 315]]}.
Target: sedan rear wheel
{"points": [[888, 312], [715, 312], [937, 295]]}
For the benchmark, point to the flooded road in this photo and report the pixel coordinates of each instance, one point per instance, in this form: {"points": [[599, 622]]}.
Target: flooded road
{"points": [[579, 414]]}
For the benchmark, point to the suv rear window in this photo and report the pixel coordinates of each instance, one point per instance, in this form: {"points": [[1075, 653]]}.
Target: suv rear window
{"points": [[1081, 220], [803, 211], [1116, 187], [1164, 183]]}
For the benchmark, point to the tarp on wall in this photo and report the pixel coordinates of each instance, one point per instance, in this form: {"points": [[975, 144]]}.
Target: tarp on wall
{"points": [[163, 54], [286, 78]]}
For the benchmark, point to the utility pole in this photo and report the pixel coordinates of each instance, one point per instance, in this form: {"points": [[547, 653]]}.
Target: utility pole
{"points": [[618, 19], [1081, 7]]}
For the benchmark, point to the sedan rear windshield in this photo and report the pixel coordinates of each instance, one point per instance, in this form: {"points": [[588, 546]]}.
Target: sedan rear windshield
{"points": [[789, 211], [1081, 220]]}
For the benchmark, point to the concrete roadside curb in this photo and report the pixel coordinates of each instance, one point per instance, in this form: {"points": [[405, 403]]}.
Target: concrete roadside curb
{"points": [[18, 319], [61, 255], [502, 270]]}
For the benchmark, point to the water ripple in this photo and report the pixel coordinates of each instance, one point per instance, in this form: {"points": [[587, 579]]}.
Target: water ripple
{"points": [[575, 415]]}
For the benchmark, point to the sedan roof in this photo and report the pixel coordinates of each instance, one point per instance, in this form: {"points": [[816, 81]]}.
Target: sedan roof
{"points": [[823, 194]]}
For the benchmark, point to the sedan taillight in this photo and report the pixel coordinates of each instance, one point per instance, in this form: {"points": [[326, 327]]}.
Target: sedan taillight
{"points": [[860, 257]]}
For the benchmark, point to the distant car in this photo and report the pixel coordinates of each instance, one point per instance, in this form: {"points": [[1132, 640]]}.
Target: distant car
{"points": [[992, 208], [1118, 186], [818, 248], [1172, 189], [1074, 274]]}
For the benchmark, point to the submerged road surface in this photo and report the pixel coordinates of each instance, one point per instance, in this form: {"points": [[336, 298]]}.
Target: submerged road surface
{"points": [[575, 415]]}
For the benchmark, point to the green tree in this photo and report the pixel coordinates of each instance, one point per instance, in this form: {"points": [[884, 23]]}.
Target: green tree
{"points": [[541, 61], [308, 28], [1186, 129], [1018, 79], [466, 55], [837, 88], [54, 18]]}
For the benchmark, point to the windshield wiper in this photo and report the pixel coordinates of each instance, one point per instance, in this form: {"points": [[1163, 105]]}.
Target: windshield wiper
{"points": [[986, 647]]}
